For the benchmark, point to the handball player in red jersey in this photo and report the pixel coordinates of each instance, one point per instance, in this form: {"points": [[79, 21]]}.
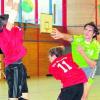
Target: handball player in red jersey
{"points": [[72, 77]]}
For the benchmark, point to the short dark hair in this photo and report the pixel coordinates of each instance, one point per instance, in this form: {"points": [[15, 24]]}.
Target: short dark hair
{"points": [[3, 18], [1, 24], [58, 51], [96, 31]]}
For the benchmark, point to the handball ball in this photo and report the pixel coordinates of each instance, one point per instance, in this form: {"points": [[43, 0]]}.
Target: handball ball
{"points": [[27, 6]]}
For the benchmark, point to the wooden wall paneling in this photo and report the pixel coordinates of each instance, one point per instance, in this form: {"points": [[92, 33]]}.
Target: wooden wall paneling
{"points": [[30, 34], [43, 56], [2, 66], [30, 60]]}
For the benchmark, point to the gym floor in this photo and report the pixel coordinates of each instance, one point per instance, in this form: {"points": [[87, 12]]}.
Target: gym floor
{"points": [[47, 88]]}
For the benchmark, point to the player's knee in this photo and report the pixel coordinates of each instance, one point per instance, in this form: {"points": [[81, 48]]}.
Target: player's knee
{"points": [[91, 81], [84, 97]]}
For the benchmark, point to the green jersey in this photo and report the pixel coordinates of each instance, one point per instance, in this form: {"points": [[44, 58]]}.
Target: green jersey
{"points": [[91, 49]]}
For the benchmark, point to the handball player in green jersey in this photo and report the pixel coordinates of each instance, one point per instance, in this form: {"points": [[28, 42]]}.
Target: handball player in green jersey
{"points": [[85, 51]]}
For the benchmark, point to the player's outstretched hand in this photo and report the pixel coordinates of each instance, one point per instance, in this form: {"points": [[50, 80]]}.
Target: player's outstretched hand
{"points": [[56, 34]]}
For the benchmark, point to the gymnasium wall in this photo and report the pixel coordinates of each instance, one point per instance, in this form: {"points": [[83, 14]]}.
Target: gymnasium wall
{"points": [[79, 12]]}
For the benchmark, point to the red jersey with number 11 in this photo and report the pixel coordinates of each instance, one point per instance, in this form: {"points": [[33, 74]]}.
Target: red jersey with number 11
{"points": [[67, 71]]}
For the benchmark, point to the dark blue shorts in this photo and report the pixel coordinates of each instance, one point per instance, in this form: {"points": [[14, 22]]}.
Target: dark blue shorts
{"points": [[71, 93], [16, 78]]}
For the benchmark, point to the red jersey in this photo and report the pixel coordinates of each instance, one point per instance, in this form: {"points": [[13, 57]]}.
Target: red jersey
{"points": [[67, 71], [11, 44]]}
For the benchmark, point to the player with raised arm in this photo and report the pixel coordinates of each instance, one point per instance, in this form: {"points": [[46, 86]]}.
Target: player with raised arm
{"points": [[85, 51], [11, 44]]}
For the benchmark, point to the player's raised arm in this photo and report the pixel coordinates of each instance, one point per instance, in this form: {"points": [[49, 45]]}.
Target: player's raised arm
{"points": [[13, 11], [56, 34]]}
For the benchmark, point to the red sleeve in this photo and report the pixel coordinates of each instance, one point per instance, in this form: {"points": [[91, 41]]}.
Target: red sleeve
{"points": [[18, 33], [53, 71]]}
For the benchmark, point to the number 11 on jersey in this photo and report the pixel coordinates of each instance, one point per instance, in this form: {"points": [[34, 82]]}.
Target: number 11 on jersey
{"points": [[61, 65]]}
